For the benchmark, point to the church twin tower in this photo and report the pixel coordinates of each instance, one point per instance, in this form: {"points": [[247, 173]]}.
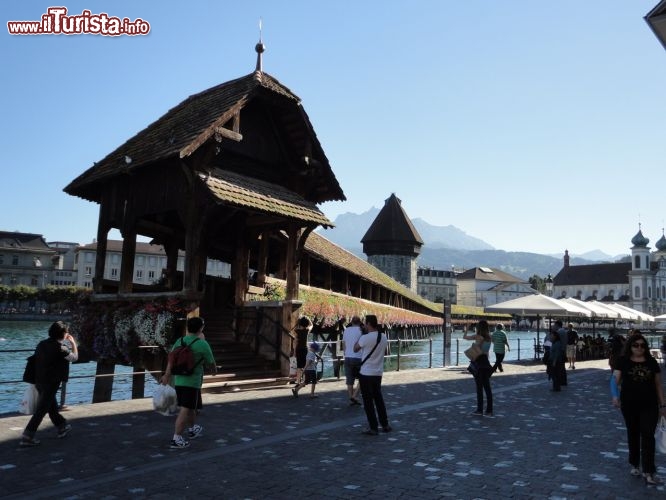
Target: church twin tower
{"points": [[392, 244]]}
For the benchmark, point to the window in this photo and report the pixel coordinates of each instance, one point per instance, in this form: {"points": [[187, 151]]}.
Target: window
{"points": [[637, 292], [647, 262], [649, 292], [90, 257], [2, 259], [114, 272], [88, 270], [152, 261], [151, 275], [14, 260], [34, 281], [637, 262], [115, 259], [139, 274], [141, 260]]}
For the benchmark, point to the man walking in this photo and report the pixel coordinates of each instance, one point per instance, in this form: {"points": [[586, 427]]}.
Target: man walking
{"points": [[372, 346], [572, 342], [52, 359], [352, 359], [188, 387], [500, 346], [563, 334]]}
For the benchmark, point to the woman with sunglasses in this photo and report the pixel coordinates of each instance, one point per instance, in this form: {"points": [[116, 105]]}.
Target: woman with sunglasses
{"points": [[641, 398]]}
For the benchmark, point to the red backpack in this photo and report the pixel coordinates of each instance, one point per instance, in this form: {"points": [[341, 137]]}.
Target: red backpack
{"points": [[182, 359]]}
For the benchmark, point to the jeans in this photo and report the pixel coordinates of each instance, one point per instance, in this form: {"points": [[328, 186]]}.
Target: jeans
{"points": [[371, 390], [641, 424], [482, 379], [46, 403], [499, 357]]}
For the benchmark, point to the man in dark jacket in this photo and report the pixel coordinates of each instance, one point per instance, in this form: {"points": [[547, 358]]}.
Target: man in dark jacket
{"points": [[51, 367]]}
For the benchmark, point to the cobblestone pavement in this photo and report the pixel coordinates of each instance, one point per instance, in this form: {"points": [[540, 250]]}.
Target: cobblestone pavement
{"points": [[267, 444]]}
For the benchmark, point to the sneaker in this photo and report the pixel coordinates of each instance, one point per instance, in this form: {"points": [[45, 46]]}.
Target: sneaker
{"points": [[64, 430], [179, 443], [195, 431], [370, 432], [294, 392], [635, 472], [651, 480], [477, 413], [28, 442]]}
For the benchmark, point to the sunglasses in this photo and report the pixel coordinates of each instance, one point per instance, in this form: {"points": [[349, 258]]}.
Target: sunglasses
{"points": [[638, 344]]}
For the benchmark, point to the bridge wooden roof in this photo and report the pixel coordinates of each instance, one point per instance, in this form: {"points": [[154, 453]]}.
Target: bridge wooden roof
{"points": [[213, 115]]}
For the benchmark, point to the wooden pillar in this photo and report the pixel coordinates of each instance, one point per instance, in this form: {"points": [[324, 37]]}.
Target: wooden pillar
{"points": [[194, 253], [171, 249], [305, 270], [103, 226], [138, 381], [262, 266], [327, 277], [239, 270], [292, 264], [127, 262], [103, 381]]}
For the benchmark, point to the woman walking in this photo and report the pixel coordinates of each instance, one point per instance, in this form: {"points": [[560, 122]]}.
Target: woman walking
{"points": [[484, 370], [639, 394]]}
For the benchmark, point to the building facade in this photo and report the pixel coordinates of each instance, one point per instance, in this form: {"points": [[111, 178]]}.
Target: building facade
{"points": [[25, 259], [483, 286], [150, 261], [437, 285], [639, 283]]}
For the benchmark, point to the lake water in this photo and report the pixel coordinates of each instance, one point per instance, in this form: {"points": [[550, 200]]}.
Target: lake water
{"points": [[25, 335]]}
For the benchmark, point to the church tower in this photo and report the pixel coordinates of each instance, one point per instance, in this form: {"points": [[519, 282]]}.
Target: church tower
{"points": [[392, 244], [639, 275]]}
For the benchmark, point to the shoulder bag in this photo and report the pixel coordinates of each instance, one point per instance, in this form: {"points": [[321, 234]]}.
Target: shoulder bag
{"points": [[473, 352], [379, 338]]}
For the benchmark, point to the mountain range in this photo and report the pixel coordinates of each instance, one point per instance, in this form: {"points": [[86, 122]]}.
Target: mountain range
{"points": [[448, 246]]}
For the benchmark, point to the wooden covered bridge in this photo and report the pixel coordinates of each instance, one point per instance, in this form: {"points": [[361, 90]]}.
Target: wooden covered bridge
{"points": [[234, 173]]}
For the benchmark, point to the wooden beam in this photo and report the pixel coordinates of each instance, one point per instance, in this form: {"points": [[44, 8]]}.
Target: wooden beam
{"points": [[229, 134]]}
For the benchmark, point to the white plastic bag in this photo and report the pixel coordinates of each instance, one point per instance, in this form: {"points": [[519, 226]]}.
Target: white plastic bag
{"points": [[164, 400], [293, 366], [29, 401], [660, 436]]}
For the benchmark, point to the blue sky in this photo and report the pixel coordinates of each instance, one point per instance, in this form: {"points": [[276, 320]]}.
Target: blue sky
{"points": [[535, 126]]}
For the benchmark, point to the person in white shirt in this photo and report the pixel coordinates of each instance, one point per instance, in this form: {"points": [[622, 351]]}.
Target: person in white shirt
{"points": [[372, 346], [352, 359]]}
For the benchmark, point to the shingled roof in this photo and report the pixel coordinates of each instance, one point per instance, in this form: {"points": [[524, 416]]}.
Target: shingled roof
{"points": [[593, 274], [392, 232], [332, 254], [22, 241], [241, 191], [184, 128]]}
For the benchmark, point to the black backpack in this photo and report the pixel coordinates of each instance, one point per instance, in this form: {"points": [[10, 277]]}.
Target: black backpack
{"points": [[182, 359]]}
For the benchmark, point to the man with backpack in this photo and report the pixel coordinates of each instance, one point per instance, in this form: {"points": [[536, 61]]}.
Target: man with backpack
{"points": [[186, 363]]}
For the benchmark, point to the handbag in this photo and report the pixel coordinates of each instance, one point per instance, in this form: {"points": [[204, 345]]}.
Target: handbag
{"points": [[473, 368], [660, 436], [473, 352], [29, 372]]}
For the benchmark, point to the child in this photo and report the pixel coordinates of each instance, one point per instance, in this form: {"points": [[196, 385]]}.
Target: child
{"points": [[310, 371]]}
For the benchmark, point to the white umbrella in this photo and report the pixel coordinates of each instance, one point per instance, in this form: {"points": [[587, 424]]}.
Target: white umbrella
{"points": [[538, 304], [595, 308], [641, 315], [661, 317]]}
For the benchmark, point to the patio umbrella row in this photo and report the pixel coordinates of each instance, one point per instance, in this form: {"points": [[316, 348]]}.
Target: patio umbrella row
{"points": [[539, 304]]}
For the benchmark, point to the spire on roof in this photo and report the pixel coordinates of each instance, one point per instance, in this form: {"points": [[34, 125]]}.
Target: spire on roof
{"points": [[260, 47]]}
